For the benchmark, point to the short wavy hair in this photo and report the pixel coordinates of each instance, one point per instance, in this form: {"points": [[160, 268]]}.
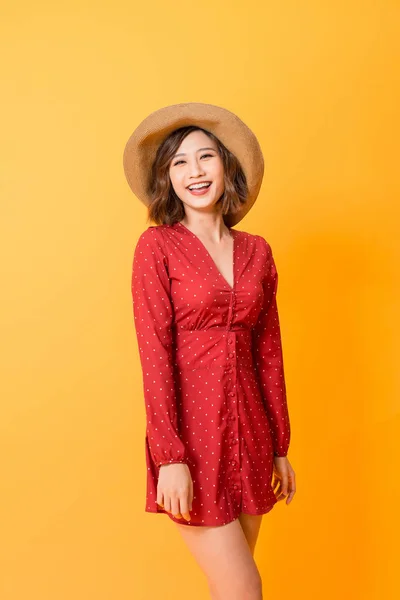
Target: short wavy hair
{"points": [[166, 208]]}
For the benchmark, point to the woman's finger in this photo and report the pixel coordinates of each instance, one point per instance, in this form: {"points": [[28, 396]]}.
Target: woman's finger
{"points": [[184, 505], [277, 490], [167, 503], [289, 498], [285, 483], [292, 487], [175, 508], [160, 499], [277, 484]]}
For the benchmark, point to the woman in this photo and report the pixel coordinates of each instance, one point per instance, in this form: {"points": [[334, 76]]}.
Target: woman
{"points": [[207, 326]]}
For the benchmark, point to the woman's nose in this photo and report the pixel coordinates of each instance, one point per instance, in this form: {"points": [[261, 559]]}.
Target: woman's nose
{"points": [[195, 169]]}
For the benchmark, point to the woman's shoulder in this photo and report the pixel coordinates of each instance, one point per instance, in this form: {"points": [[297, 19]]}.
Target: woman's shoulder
{"points": [[256, 240], [151, 239], [153, 232]]}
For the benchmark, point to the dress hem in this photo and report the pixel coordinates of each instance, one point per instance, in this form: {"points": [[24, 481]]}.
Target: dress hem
{"points": [[182, 521]]}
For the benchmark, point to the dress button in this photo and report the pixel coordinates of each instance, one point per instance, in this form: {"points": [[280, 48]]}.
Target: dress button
{"points": [[231, 355], [235, 487], [231, 393], [229, 341]]}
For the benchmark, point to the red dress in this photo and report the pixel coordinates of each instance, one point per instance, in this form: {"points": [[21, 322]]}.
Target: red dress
{"points": [[213, 378]]}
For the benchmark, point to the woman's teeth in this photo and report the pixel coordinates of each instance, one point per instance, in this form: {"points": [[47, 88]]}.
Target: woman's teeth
{"points": [[200, 189]]}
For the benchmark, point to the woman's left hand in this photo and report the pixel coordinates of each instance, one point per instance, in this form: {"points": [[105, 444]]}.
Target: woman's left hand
{"points": [[285, 484]]}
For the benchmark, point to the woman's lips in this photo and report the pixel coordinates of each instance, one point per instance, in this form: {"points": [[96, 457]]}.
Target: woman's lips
{"points": [[200, 192]]}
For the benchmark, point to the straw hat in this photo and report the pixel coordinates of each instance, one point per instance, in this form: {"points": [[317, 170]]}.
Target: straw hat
{"points": [[140, 150]]}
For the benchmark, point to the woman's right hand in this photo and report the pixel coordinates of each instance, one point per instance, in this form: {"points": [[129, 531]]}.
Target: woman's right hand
{"points": [[175, 489]]}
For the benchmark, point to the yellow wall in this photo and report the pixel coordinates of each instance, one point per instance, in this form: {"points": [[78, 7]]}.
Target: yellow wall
{"points": [[318, 83]]}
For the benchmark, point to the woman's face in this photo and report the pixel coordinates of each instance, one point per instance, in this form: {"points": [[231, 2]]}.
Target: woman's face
{"points": [[197, 160]]}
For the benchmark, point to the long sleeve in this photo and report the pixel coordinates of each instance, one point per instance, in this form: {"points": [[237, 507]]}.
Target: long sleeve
{"points": [[268, 357], [153, 318]]}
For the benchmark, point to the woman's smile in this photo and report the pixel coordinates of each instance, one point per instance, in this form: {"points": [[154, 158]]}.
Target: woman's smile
{"points": [[201, 191]]}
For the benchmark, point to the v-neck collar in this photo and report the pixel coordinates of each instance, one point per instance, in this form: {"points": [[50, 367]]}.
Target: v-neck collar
{"points": [[210, 258]]}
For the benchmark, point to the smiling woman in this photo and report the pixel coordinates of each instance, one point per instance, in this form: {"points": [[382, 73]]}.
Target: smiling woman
{"points": [[189, 175], [211, 161], [207, 325]]}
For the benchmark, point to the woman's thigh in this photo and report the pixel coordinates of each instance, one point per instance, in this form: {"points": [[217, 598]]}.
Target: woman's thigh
{"points": [[224, 555]]}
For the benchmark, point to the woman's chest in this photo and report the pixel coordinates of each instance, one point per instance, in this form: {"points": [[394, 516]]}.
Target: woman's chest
{"points": [[202, 295]]}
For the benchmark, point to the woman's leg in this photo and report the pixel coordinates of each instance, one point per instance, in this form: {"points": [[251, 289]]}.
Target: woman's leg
{"points": [[224, 555], [251, 526]]}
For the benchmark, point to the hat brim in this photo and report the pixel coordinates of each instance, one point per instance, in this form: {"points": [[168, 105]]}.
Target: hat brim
{"points": [[140, 150]]}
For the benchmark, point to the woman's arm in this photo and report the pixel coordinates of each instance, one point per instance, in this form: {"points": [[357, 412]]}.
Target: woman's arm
{"points": [[268, 358], [153, 317]]}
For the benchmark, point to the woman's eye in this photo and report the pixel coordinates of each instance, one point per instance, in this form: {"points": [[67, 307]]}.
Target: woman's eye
{"points": [[203, 155]]}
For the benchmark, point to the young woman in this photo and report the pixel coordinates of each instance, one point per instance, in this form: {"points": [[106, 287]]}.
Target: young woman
{"points": [[207, 326]]}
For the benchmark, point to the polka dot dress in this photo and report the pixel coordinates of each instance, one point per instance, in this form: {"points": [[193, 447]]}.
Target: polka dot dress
{"points": [[213, 378]]}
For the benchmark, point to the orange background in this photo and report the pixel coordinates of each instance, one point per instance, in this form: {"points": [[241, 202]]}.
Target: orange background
{"points": [[319, 84]]}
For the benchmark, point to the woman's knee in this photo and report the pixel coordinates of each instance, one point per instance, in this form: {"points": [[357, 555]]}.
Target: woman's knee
{"points": [[255, 586], [245, 586]]}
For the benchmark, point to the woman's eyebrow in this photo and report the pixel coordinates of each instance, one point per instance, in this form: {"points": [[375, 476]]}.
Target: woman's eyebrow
{"points": [[199, 150]]}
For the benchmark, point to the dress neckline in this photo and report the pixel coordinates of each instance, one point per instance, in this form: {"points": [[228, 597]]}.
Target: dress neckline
{"points": [[210, 258]]}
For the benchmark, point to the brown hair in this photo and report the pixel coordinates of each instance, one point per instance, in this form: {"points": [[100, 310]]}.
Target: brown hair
{"points": [[166, 207]]}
